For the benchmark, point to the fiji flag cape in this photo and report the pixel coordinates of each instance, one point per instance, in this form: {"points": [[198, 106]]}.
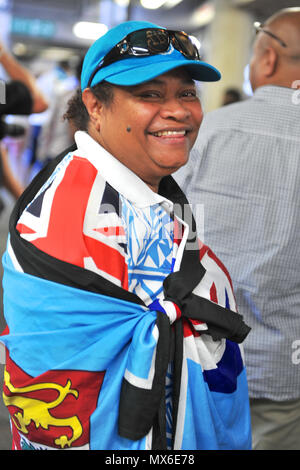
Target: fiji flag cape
{"points": [[86, 361]]}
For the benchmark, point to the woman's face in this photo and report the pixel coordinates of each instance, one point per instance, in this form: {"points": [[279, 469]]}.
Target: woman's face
{"points": [[163, 115]]}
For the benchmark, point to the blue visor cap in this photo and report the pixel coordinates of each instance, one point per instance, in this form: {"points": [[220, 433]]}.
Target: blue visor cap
{"points": [[136, 70]]}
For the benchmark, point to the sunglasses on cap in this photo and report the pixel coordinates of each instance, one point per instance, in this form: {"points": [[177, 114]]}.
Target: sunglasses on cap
{"points": [[147, 42]]}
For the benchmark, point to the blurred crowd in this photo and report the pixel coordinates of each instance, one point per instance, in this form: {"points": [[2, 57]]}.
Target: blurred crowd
{"points": [[35, 135]]}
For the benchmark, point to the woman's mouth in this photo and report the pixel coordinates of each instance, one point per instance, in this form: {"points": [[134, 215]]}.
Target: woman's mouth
{"points": [[169, 133]]}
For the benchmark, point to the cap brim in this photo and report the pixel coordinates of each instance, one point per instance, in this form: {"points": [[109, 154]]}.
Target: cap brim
{"points": [[134, 71], [198, 70]]}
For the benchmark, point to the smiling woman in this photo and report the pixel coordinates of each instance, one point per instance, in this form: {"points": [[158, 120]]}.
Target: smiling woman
{"points": [[164, 116], [117, 312]]}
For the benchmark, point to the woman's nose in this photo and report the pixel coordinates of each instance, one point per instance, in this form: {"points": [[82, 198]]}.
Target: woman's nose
{"points": [[174, 109]]}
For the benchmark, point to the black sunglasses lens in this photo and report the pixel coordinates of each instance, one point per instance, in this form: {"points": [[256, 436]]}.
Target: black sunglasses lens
{"points": [[154, 41], [186, 46]]}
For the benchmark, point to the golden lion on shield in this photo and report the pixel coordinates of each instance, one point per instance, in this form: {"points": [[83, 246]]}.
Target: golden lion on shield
{"points": [[38, 411]]}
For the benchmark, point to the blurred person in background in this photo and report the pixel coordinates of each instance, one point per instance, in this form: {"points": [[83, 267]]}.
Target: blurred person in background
{"points": [[55, 134], [21, 96], [245, 170], [231, 95], [122, 312]]}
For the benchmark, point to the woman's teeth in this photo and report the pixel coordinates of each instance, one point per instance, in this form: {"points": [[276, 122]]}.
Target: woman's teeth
{"points": [[168, 133]]}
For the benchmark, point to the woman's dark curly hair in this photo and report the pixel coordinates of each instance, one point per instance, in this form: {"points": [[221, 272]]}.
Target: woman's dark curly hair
{"points": [[77, 114]]}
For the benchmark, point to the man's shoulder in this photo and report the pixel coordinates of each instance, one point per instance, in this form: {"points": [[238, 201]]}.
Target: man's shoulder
{"points": [[226, 115]]}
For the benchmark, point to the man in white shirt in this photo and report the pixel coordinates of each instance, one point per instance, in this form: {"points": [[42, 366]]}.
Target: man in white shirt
{"points": [[245, 172]]}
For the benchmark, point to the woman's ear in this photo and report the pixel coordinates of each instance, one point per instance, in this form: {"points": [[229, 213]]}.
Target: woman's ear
{"points": [[93, 106]]}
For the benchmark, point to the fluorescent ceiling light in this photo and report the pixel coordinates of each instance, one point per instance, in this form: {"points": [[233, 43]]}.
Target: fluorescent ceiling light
{"points": [[204, 14], [88, 30], [152, 4], [172, 3], [19, 49], [122, 3]]}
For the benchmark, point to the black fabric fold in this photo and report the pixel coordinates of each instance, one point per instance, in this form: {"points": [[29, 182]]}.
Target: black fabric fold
{"points": [[177, 368], [222, 322], [178, 286], [141, 407]]}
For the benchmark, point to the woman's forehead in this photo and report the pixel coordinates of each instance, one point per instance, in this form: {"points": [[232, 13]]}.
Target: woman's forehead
{"points": [[180, 74]]}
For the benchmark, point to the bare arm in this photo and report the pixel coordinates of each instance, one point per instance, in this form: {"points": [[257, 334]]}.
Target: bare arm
{"points": [[10, 182], [17, 72]]}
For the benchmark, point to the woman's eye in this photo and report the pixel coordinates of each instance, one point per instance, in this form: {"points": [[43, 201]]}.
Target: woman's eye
{"points": [[189, 94], [150, 94]]}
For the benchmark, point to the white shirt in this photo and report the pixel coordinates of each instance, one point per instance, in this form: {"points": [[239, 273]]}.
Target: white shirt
{"points": [[244, 171]]}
